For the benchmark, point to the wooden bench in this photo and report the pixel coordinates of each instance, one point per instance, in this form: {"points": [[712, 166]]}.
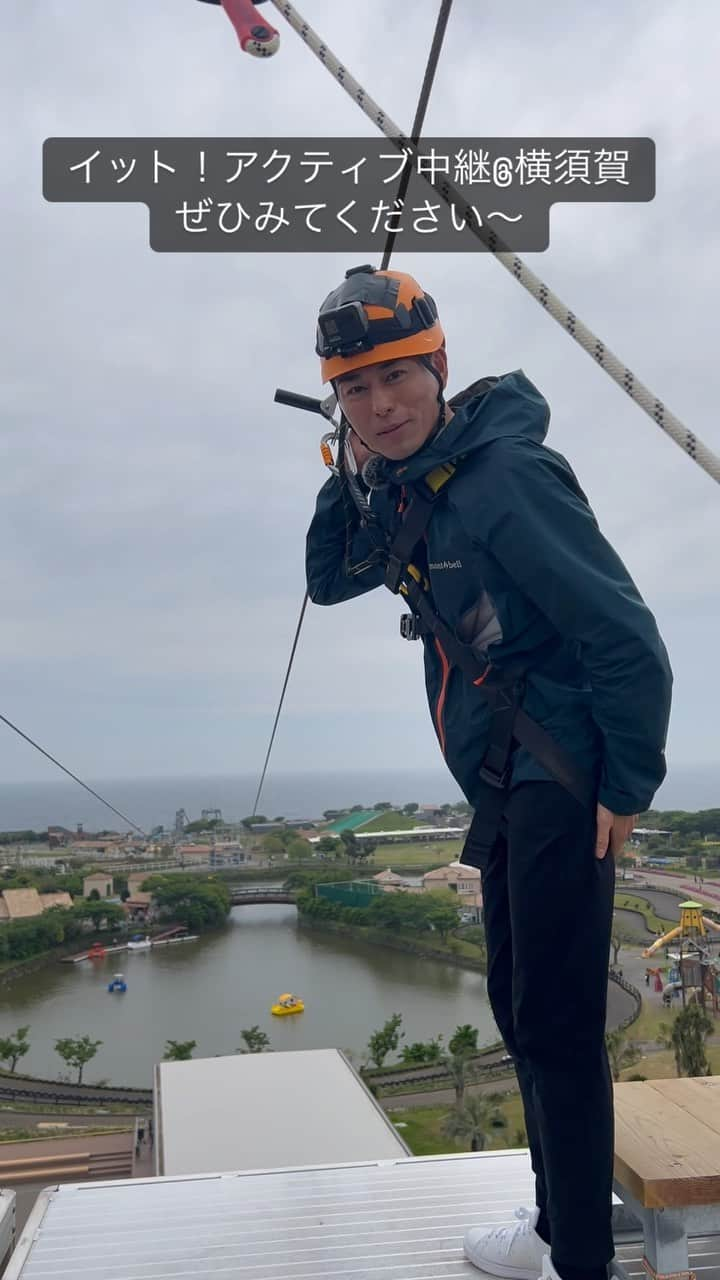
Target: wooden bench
{"points": [[667, 1164]]}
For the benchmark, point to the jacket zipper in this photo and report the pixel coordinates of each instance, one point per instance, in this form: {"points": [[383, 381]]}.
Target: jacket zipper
{"points": [[440, 704]]}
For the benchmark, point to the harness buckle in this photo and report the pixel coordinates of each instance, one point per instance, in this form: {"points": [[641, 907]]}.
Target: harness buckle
{"points": [[498, 781], [411, 627]]}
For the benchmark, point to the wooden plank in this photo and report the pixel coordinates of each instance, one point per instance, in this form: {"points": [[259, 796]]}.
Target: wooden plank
{"points": [[663, 1155], [699, 1097]]}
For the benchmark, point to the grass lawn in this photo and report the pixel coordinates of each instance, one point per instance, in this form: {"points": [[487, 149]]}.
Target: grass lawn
{"points": [[654, 922], [428, 854], [61, 1109], [32, 1135], [421, 1128], [661, 1066], [392, 822]]}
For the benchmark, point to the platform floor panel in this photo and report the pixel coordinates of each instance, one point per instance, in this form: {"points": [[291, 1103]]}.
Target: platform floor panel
{"points": [[389, 1220]]}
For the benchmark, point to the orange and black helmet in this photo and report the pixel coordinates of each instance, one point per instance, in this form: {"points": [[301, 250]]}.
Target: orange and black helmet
{"points": [[375, 316]]}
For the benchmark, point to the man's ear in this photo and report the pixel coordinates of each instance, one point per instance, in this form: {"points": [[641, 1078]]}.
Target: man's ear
{"points": [[439, 361]]}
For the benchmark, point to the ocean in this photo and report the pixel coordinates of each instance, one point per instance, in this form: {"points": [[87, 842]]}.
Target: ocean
{"points": [[152, 801]]}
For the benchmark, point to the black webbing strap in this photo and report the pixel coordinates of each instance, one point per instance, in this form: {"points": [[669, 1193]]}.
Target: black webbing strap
{"points": [[415, 521], [501, 689]]}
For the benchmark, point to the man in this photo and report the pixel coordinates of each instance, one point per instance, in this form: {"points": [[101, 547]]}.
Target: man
{"points": [[535, 602]]}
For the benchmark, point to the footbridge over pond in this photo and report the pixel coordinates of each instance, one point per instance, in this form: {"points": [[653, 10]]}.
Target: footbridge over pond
{"points": [[241, 897]]}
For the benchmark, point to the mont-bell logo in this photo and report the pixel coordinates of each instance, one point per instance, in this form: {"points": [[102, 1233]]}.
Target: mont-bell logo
{"points": [[445, 564]]}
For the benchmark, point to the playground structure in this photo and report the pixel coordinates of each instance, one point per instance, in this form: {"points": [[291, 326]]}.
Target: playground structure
{"points": [[693, 925], [695, 975]]}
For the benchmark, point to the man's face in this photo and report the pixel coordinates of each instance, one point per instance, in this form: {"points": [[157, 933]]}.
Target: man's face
{"points": [[393, 407]]}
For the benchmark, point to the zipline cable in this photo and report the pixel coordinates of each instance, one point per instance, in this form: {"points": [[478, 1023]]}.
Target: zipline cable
{"points": [[433, 57], [282, 699], [72, 775], [594, 346], [419, 120]]}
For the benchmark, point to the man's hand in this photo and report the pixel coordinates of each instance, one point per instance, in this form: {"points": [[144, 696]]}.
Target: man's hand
{"points": [[613, 830]]}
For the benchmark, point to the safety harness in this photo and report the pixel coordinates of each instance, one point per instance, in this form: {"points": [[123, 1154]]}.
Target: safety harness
{"points": [[501, 688]]}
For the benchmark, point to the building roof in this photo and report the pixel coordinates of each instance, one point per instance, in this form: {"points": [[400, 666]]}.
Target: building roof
{"points": [[98, 875], [411, 833], [138, 900], [58, 898], [453, 874], [260, 1110], [22, 903], [389, 877]]}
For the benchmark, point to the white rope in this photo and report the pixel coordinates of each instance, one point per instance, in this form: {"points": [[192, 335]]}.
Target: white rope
{"points": [[595, 347]]}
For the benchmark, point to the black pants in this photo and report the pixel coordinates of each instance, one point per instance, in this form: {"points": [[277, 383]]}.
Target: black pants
{"points": [[548, 904]]}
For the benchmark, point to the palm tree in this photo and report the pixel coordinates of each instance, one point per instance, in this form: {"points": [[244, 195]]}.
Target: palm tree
{"points": [[456, 1064], [621, 1052], [474, 1120]]}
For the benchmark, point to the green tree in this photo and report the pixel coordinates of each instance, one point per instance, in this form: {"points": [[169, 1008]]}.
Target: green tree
{"points": [[622, 1053], [442, 911], [78, 1052], [299, 850], [419, 1053], [355, 849], [191, 900], [461, 1048], [14, 1046], [328, 846], [410, 809], [464, 1039], [272, 846], [383, 806], [192, 828], [474, 1120], [93, 915], [386, 1040], [179, 1050], [686, 1036], [256, 1041]]}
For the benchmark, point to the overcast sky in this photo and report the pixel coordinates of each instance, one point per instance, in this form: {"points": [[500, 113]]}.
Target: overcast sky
{"points": [[153, 499]]}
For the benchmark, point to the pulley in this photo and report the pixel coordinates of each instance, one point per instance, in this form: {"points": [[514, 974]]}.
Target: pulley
{"points": [[255, 35]]}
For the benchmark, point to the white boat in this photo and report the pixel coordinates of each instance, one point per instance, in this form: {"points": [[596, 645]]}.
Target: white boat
{"points": [[139, 944]]}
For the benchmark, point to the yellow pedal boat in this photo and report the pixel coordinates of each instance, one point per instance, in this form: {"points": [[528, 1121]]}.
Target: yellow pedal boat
{"points": [[287, 1003]]}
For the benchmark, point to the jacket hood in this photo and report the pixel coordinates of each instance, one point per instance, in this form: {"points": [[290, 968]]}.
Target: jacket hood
{"points": [[487, 410]]}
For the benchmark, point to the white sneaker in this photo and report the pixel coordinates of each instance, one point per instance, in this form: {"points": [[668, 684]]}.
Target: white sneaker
{"points": [[517, 1252], [548, 1270]]}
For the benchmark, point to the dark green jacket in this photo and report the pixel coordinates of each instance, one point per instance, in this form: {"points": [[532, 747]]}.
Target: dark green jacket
{"points": [[516, 559]]}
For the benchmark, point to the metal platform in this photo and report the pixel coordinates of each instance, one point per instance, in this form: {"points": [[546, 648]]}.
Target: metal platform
{"points": [[398, 1219]]}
